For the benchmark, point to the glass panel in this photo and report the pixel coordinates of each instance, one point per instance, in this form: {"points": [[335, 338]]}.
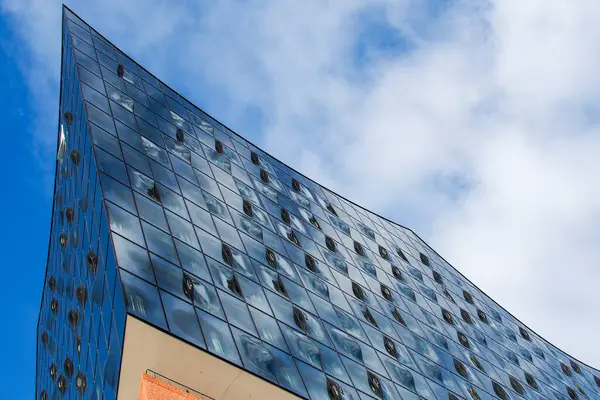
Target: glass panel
{"points": [[133, 258], [255, 356], [192, 260], [168, 276], [124, 223], [218, 337], [237, 312], [205, 297], [182, 230], [117, 193], [182, 319], [268, 330], [160, 243], [287, 374], [151, 212], [142, 300]]}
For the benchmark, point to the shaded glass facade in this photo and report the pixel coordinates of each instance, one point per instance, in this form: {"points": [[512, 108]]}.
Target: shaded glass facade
{"points": [[163, 213]]}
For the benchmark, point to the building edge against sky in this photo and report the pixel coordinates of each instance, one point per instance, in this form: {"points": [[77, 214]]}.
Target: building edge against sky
{"points": [[167, 225]]}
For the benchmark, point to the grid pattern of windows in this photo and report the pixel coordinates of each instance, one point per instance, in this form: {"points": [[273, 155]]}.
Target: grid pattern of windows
{"points": [[82, 315], [227, 248]]}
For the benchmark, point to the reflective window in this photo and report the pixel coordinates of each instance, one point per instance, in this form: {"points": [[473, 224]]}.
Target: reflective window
{"points": [[159, 205]]}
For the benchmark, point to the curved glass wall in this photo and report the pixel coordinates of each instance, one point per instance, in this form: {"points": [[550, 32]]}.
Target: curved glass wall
{"points": [[225, 247]]}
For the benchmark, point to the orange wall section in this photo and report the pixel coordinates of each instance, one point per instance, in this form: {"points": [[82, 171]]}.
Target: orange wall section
{"points": [[155, 389]]}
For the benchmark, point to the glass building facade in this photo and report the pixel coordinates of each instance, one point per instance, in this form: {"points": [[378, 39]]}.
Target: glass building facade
{"points": [[163, 214]]}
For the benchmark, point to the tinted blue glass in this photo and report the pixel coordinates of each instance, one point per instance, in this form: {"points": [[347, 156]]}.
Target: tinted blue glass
{"points": [[322, 296], [255, 355], [142, 299], [182, 319], [218, 337], [133, 258]]}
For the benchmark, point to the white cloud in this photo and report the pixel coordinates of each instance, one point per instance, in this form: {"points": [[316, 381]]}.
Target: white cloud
{"points": [[482, 136]]}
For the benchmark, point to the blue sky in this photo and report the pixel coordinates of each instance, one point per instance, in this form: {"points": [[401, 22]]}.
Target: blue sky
{"points": [[27, 203], [467, 121]]}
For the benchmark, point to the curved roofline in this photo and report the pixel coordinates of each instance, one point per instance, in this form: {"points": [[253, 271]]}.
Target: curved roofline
{"points": [[337, 194]]}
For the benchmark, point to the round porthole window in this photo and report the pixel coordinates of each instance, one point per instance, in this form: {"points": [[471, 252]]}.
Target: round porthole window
{"points": [[447, 316], [369, 317], [70, 214], [401, 254], [291, 235], [280, 287], [358, 291], [315, 222], [53, 371], [310, 263], [80, 382], [524, 333], [482, 316], [462, 338], [476, 362], [499, 390], [575, 366], [460, 368], [75, 157], [390, 346], [264, 176], [333, 390], [247, 207], [54, 306], [226, 254], [234, 285], [386, 292], [572, 393], [188, 287], [52, 284], [68, 367], [397, 316], [299, 318], [516, 385], [467, 296], [285, 216], [179, 135], [295, 185], [474, 393], [330, 243], [68, 116], [375, 384], [92, 261], [62, 239], [81, 294], [331, 209], [219, 146], [565, 369], [73, 318], [531, 380], [62, 384], [271, 259], [466, 316], [384, 253], [154, 192], [359, 249]]}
